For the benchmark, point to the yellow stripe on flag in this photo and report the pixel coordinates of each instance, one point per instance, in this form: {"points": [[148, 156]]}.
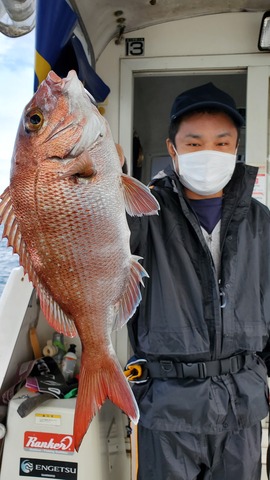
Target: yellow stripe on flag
{"points": [[42, 67]]}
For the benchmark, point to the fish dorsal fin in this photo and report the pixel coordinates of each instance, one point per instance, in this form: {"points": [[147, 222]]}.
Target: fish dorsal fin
{"points": [[132, 295], [53, 313], [138, 198]]}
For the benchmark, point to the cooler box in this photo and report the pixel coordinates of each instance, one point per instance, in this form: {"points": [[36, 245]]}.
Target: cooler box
{"points": [[41, 444]]}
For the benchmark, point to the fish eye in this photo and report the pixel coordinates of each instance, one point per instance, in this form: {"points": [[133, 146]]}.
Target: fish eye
{"points": [[33, 120]]}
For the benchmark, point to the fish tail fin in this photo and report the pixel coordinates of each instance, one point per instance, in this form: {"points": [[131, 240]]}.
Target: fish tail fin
{"points": [[95, 386]]}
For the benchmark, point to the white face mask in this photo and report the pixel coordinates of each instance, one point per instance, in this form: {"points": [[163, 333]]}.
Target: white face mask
{"points": [[205, 172]]}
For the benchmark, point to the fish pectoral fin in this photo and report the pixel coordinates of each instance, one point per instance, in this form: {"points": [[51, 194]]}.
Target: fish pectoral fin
{"points": [[82, 167], [54, 314], [13, 235], [132, 295], [95, 386], [138, 198]]}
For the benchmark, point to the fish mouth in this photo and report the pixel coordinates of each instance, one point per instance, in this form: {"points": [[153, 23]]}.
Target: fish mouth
{"points": [[67, 124], [71, 74], [71, 78], [78, 124], [53, 80]]}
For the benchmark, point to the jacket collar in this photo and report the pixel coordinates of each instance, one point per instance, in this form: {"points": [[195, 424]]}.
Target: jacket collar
{"points": [[236, 200]]}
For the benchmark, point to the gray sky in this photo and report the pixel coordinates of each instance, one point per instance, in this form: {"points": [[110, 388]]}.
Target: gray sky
{"points": [[16, 89]]}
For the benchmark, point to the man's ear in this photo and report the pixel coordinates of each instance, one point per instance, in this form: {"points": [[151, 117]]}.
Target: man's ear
{"points": [[170, 148], [121, 155], [172, 153]]}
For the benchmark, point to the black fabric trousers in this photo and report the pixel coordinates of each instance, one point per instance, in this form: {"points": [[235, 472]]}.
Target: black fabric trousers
{"points": [[185, 456]]}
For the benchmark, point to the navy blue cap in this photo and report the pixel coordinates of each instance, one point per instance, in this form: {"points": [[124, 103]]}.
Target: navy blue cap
{"points": [[203, 97]]}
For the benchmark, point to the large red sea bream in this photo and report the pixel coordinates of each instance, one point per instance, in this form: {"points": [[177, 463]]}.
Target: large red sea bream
{"points": [[65, 215]]}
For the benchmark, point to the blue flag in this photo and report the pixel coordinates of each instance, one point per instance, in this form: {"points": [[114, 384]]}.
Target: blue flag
{"points": [[59, 49]]}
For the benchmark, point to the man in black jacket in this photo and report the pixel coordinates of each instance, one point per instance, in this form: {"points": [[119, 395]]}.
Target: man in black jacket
{"points": [[205, 311]]}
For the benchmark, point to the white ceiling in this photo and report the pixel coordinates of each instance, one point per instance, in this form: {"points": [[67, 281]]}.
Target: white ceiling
{"points": [[102, 19]]}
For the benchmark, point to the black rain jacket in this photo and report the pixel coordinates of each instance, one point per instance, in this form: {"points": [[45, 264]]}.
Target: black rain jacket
{"points": [[180, 316]]}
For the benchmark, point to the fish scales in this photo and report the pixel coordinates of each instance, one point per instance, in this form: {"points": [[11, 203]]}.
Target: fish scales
{"points": [[65, 215]]}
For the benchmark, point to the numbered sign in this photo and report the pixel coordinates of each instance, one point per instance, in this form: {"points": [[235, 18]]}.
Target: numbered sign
{"points": [[135, 46]]}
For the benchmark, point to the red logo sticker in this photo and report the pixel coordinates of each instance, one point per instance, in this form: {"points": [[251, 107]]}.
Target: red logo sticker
{"points": [[43, 441]]}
